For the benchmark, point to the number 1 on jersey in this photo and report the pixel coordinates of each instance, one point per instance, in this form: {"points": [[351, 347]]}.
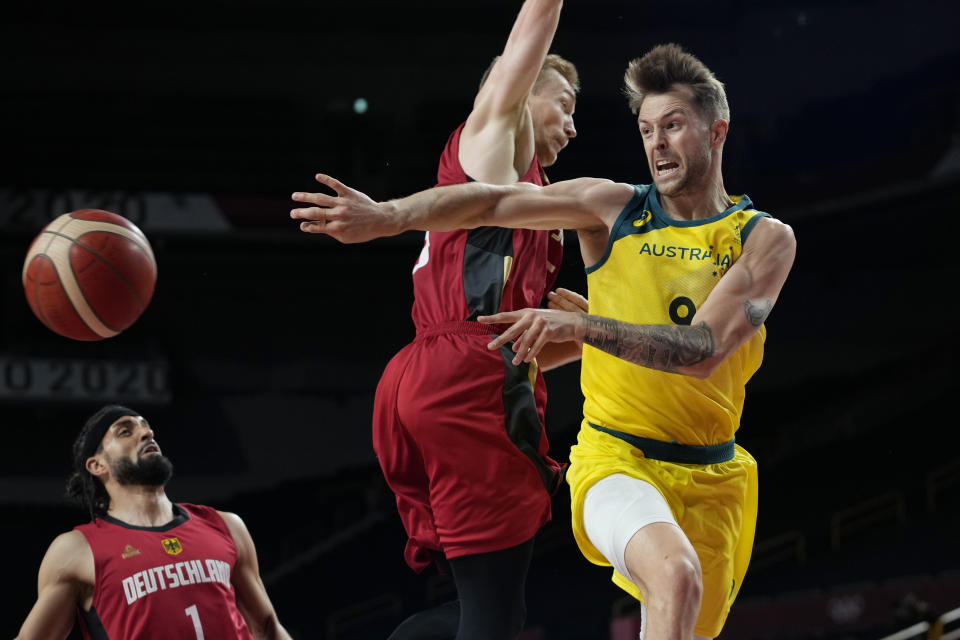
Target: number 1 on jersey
{"points": [[192, 613]]}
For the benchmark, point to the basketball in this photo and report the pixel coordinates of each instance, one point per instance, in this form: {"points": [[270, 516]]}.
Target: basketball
{"points": [[89, 274]]}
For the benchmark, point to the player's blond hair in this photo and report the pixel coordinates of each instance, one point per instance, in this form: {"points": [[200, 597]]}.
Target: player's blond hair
{"points": [[559, 64], [667, 65]]}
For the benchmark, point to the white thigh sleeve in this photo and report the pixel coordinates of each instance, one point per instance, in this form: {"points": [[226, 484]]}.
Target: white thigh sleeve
{"points": [[614, 509]]}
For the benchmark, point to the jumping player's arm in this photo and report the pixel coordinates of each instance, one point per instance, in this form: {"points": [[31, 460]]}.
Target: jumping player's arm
{"points": [[733, 312], [252, 599], [489, 141], [65, 578], [584, 204]]}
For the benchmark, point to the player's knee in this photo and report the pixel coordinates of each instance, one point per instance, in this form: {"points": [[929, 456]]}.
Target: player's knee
{"points": [[678, 579], [684, 580]]}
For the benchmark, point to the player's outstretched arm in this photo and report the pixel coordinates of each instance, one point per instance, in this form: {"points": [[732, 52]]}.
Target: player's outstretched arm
{"points": [[517, 68], [351, 216], [66, 574], [252, 599], [488, 143], [733, 312]]}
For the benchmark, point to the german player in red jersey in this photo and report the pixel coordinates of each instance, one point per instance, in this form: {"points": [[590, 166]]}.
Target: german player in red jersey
{"points": [[145, 567], [458, 429], [682, 276]]}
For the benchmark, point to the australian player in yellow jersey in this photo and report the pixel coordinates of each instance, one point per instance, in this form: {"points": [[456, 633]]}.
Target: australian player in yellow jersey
{"points": [[681, 276]]}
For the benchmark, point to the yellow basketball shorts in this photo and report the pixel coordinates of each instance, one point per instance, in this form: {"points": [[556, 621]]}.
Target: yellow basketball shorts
{"points": [[714, 504]]}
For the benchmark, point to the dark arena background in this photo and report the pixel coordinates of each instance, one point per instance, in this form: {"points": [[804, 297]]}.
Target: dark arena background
{"points": [[258, 357]]}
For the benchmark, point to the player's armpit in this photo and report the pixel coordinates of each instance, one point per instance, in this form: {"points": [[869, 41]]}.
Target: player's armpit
{"points": [[747, 293], [488, 151]]}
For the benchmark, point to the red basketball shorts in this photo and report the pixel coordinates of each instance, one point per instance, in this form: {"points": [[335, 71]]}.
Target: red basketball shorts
{"points": [[458, 431]]}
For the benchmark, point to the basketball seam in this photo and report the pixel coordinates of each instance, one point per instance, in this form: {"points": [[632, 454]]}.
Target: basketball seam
{"points": [[45, 319], [43, 252], [106, 264], [36, 292], [81, 292], [136, 236]]}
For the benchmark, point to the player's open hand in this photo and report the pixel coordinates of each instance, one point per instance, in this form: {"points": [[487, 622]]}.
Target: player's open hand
{"points": [[566, 300], [532, 329], [350, 216]]}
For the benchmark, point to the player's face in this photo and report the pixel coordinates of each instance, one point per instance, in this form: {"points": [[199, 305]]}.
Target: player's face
{"points": [[552, 105], [132, 454], [676, 139]]}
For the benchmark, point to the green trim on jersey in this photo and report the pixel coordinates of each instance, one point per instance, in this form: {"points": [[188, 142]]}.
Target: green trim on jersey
{"points": [[674, 451], [751, 223], [643, 214]]}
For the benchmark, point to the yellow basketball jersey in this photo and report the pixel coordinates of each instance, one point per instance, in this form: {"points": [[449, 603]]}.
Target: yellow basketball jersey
{"points": [[657, 270]]}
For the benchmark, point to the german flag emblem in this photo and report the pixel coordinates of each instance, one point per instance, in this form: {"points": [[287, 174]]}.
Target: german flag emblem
{"points": [[171, 546]]}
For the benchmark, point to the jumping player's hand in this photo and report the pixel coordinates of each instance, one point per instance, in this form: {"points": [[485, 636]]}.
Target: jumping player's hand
{"points": [[350, 216], [566, 300], [532, 329]]}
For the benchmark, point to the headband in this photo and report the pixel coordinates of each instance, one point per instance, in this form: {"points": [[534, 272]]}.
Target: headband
{"points": [[99, 428]]}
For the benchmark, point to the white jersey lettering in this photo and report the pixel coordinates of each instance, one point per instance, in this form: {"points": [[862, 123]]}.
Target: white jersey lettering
{"points": [[149, 581], [171, 576], [192, 571], [171, 573], [129, 590], [159, 575], [138, 582], [183, 579]]}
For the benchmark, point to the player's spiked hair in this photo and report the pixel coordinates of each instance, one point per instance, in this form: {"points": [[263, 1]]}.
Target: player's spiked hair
{"points": [[667, 65]]}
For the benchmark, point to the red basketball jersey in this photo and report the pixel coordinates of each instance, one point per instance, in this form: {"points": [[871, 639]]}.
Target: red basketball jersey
{"points": [[164, 583], [468, 273]]}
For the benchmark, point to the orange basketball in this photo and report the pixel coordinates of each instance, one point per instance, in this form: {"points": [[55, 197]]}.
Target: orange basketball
{"points": [[89, 274]]}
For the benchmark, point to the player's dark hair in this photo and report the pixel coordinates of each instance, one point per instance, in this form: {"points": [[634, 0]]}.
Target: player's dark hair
{"points": [[82, 486], [667, 65]]}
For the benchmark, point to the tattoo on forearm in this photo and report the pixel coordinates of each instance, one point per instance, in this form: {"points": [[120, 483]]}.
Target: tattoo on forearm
{"points": [[757, 312], [604, 334], [663, 347]]}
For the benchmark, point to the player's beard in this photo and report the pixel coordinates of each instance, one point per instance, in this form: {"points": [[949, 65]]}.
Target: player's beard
{"points": [[694, 176], [152, 471]]}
